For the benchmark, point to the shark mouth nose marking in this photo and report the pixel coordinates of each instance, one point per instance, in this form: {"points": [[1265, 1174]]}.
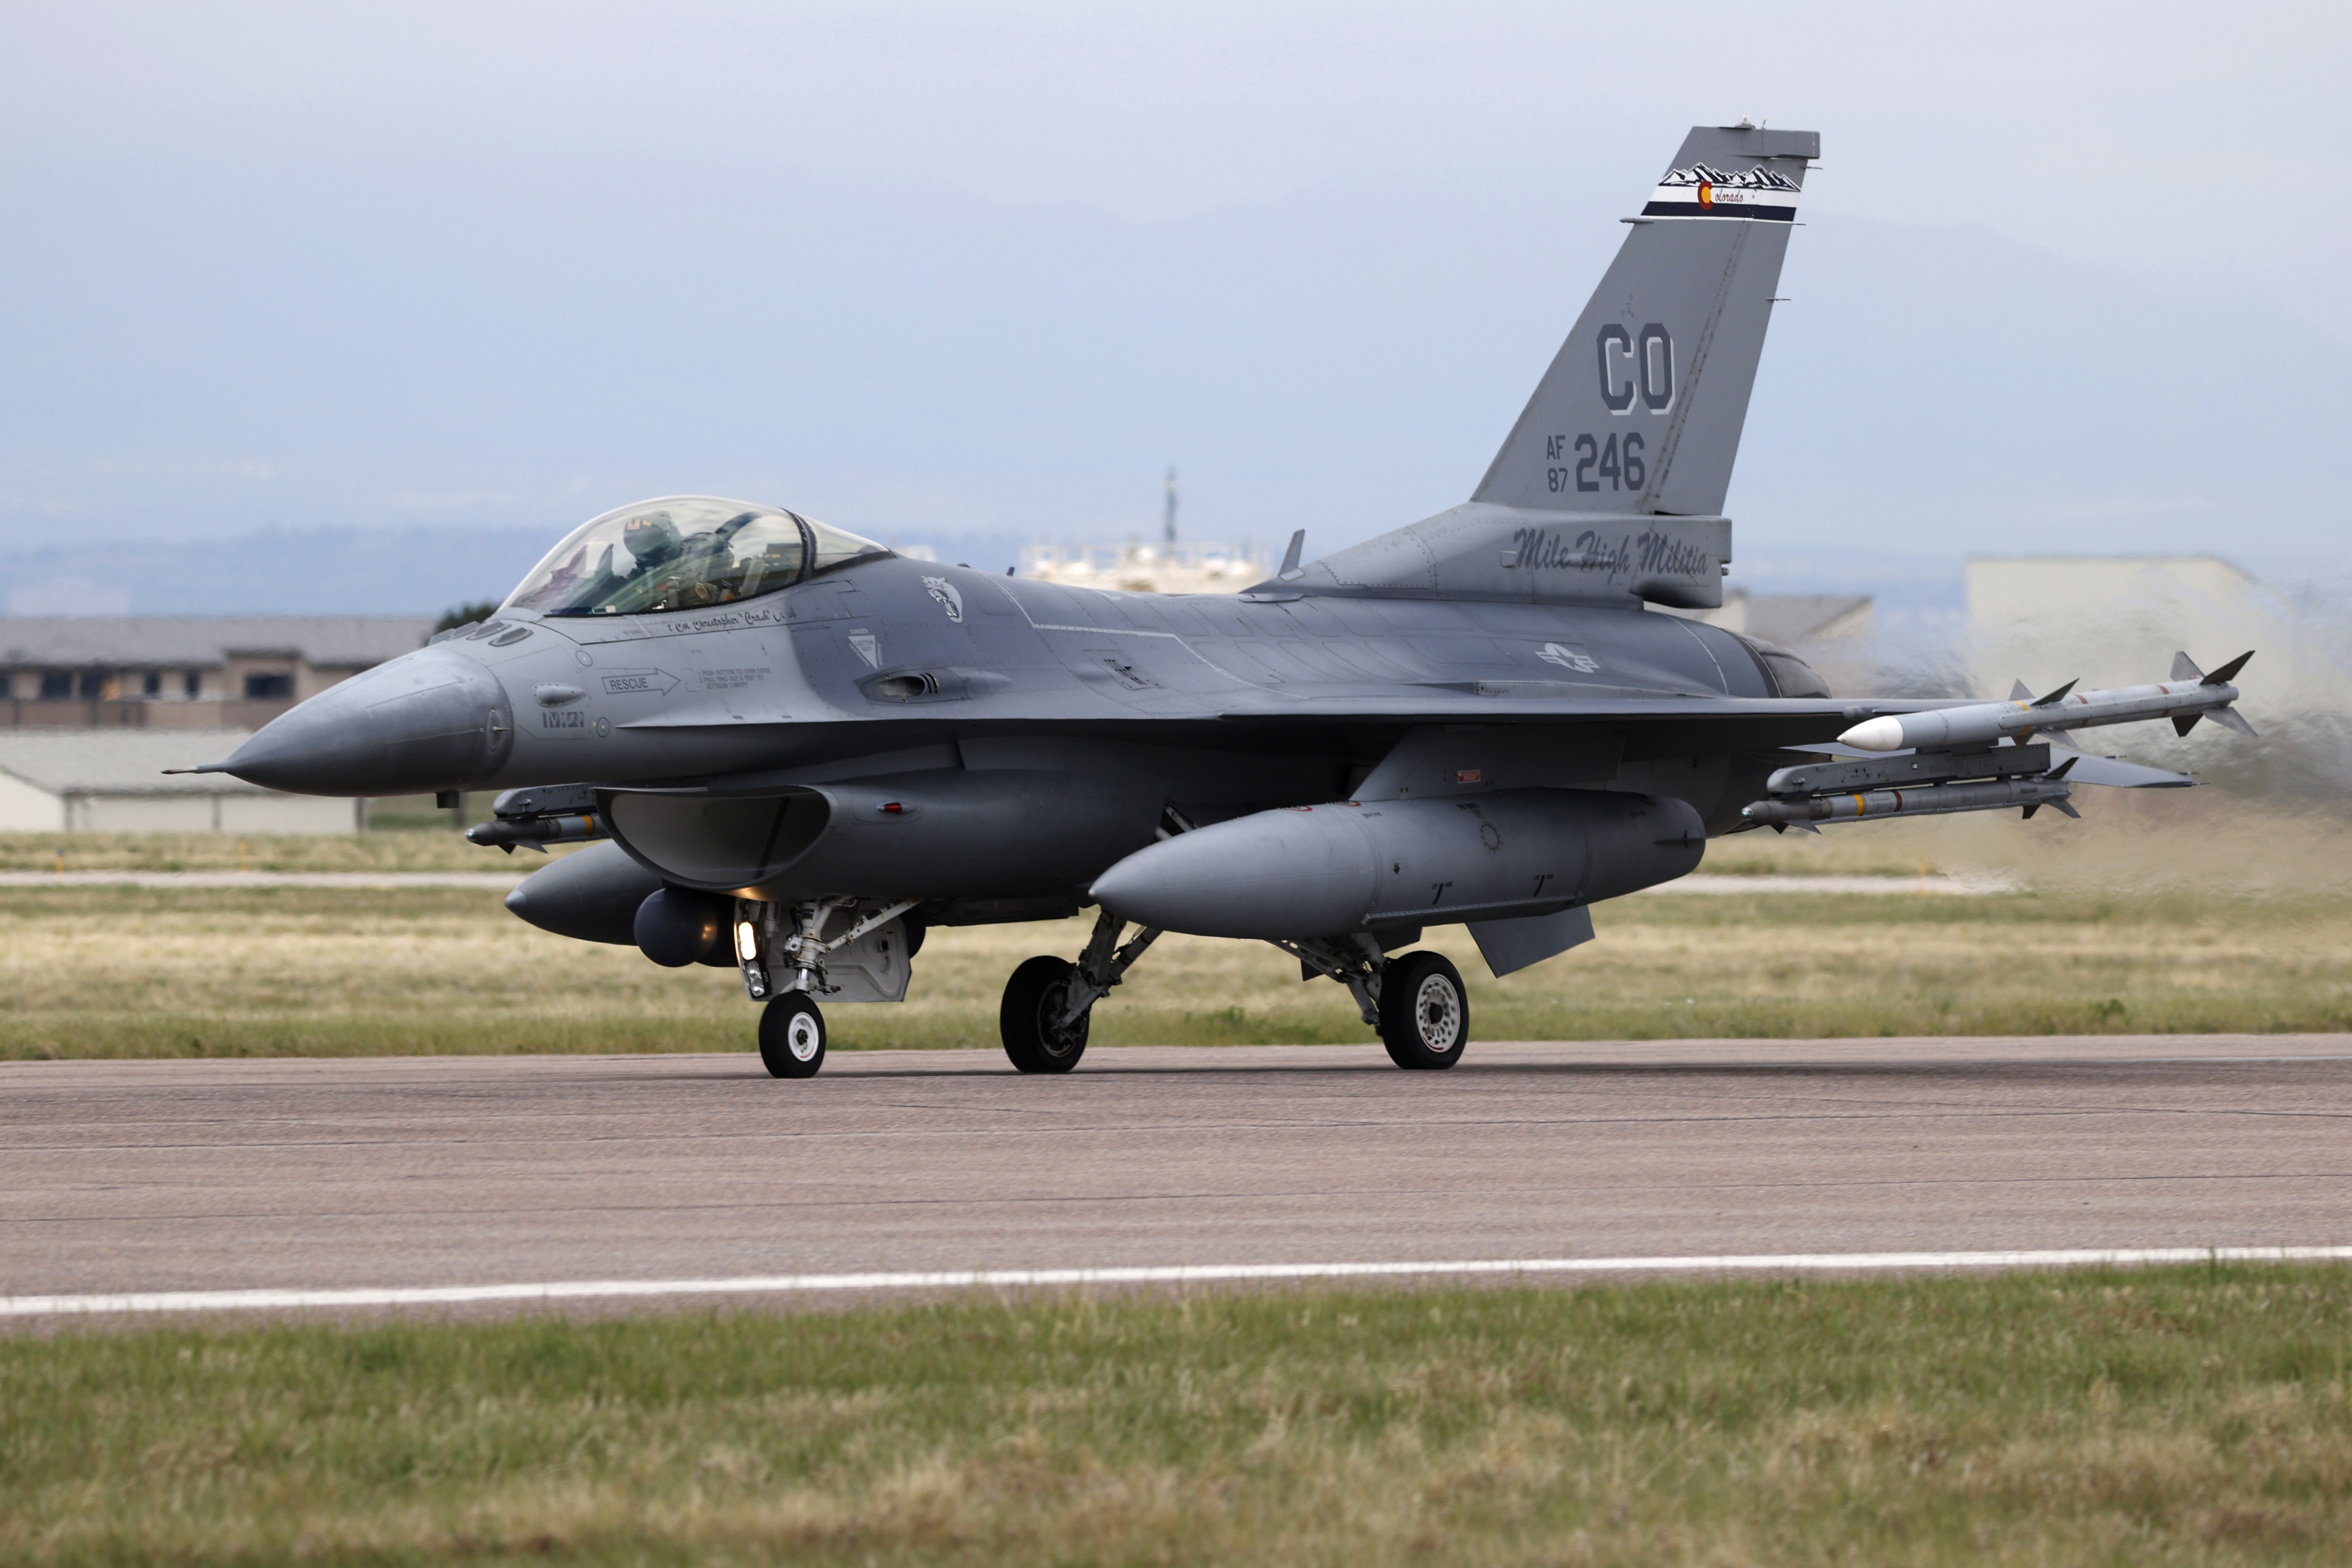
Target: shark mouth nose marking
{"points": [[431, 720]]}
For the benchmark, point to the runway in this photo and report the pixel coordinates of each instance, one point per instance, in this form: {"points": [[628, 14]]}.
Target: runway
{"points": [[441, 1174]]}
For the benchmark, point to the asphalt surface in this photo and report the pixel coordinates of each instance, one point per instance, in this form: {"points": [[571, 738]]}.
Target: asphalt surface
{"points": [[160, 1175], [500, 880]]}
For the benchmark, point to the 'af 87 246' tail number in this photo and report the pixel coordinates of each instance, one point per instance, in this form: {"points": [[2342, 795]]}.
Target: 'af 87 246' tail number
{"points": [[1587, 464]]}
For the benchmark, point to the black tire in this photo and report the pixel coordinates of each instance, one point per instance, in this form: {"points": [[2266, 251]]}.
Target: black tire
{"points": [[791, 1035], [1424, 1012], [1033, 999]]}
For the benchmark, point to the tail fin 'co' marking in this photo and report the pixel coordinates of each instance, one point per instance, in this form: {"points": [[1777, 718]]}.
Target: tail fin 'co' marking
{"points": [[1642, 409]]}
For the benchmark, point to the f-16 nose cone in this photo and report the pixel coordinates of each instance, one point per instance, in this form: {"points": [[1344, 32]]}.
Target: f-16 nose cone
{"points": [[432, 720]]}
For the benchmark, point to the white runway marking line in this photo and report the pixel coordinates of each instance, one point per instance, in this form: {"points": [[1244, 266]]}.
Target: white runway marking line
{"points": [[1180, 1274]]}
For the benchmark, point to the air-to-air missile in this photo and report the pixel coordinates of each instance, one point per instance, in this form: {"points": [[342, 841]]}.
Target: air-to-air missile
{"points": [[2189, 696], [1939, 800], [1978, 757]]}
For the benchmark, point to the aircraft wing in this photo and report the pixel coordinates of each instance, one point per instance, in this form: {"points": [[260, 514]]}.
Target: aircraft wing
{"points": [[1708, 723], [2089, 767]]}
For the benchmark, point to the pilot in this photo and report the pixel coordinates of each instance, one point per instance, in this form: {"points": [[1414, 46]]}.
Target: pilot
{"points": [[650, 540]]}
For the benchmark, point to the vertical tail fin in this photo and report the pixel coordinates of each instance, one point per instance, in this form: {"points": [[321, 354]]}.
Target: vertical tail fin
{"points": [[1641, 408]]}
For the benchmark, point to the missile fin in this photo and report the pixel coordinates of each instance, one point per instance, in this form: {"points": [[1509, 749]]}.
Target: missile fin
{"points": [[2230, 719], [2228, 672], [2031, 809], [2059, 738], [1806, 827], [2020, 692], [2184, 723], [2056, 696], [2063, 769], [2066, 807], [2185, 667]]}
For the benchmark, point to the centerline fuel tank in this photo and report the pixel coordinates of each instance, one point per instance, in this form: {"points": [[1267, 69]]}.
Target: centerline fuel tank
{"points": [[1328, 870]]}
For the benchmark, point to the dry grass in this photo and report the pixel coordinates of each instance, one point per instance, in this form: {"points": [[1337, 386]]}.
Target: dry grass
{"points": [[2162, 913], [93, 972], [2199, 1415], [424, 849]]}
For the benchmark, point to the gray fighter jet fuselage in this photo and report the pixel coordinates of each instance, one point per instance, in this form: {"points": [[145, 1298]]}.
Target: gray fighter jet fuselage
{"points": [[807, 750]]}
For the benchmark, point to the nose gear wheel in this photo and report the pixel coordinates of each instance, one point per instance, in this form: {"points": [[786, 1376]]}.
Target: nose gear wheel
{"points": [[791, 1035]]}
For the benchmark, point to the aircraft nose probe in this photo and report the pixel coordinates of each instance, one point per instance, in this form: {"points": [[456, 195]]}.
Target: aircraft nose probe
{"points": [[413, 724]]}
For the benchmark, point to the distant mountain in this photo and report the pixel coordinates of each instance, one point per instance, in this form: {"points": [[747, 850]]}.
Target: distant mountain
{"points": [[389, 384]]}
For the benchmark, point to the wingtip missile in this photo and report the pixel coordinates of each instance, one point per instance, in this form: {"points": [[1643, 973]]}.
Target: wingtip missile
{"points": [[1981, 724]]}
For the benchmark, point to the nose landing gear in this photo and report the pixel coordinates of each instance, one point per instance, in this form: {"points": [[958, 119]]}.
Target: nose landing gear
{"points": [[791, 1035]]}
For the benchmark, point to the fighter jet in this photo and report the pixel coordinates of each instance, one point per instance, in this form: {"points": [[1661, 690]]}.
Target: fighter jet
{"points": [[803, 752]]}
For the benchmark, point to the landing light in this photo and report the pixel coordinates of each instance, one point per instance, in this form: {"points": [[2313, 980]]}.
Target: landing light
{"points": [[747, 942]]}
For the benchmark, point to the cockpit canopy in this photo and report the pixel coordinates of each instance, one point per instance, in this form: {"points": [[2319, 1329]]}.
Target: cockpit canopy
{"points": [[684, 553]]}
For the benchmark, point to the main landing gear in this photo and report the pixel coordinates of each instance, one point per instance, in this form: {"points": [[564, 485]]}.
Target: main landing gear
{"points": [[1416, 1000], [1424, 1012], [1049, 1002]]}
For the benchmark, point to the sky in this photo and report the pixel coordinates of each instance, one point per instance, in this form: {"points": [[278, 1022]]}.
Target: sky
{"points": [[2070, 278]]}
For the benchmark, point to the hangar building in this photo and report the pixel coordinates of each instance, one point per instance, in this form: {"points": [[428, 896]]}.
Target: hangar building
{"points": [[185, 672], [112, 781]]}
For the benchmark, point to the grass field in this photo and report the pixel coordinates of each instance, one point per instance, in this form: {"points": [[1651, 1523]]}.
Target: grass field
{"points": [[2186, 1416], [113, 971], [2151, 920]]}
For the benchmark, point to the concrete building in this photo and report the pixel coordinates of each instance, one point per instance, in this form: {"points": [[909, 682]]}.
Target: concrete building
{"points": [[2117, 620], [201, 672], [1148, 568], [112, 781], [2112, 620]]}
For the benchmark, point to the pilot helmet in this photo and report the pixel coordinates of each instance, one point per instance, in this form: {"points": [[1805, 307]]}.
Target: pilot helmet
{"points": [[650, 537]]}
